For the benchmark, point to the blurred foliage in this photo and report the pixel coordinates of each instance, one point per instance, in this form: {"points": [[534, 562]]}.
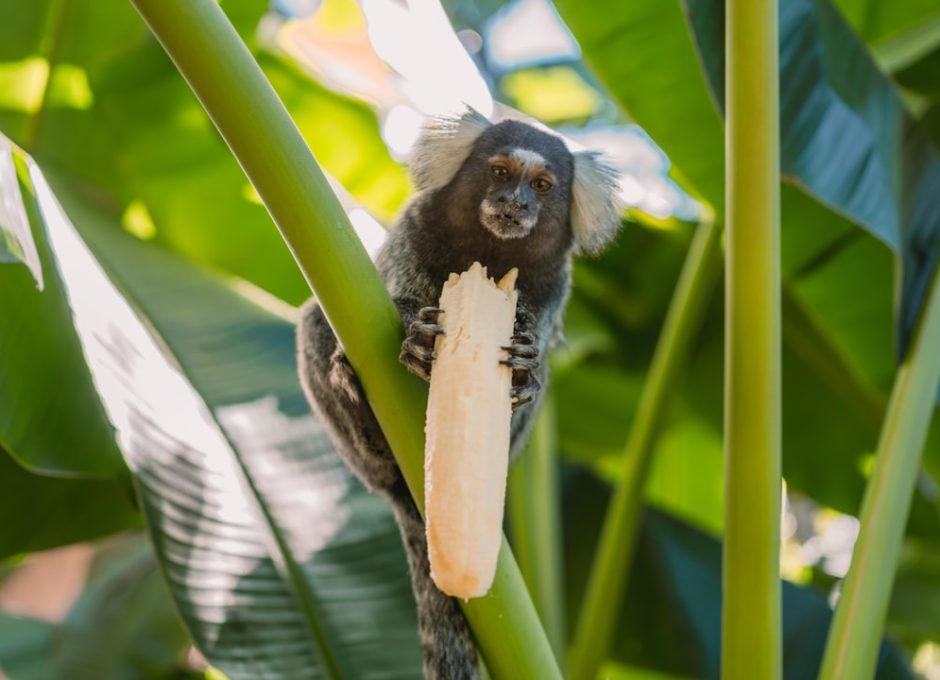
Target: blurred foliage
{"points": [[92, 97], [554, 94], [676, 584], [121, 627], [136, 131]]}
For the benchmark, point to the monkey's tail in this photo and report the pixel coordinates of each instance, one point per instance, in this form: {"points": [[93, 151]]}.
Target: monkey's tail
{"points": [[449, 652]]}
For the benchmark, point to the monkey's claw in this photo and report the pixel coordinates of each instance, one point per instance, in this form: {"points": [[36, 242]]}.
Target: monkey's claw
{"points": [[417, 351], [416, 357], [429, 314], [523, 358], [522, 353], [523, 394], [427, 331]]}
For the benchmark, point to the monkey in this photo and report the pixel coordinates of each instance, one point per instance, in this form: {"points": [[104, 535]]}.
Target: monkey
{"points": [[504, 194]]}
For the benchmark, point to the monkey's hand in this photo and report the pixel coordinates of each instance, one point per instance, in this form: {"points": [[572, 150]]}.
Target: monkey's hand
{"points": [[524, 359], [342, 376], [417, 350]]}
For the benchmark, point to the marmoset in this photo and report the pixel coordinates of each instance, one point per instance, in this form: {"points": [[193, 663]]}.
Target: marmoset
{"points": [[506, 195]]}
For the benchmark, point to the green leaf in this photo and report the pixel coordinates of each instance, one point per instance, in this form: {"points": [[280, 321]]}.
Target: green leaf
{"points": [[642, 52], [24, 646], [50, 417], [839, 349], [16, 240], [870, 162], [834, 383], [876, 21], [22, 28], [645, 54], [279, 562], [914, 613], [922, 77], [61, 511]]}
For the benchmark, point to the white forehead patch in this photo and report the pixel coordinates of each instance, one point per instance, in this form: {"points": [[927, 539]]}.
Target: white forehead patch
{"points": [[528, 159]]}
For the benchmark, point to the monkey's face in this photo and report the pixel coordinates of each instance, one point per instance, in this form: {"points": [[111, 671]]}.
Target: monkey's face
{"points": [[519, 179], [516, 183]]}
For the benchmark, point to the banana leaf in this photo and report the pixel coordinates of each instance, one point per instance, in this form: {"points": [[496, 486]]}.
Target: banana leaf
{"points": [[851, 154], [280, 564]]}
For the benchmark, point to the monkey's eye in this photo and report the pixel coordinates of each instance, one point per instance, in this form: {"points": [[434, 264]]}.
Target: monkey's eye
{"points": [[540, 184], [500, 172]]}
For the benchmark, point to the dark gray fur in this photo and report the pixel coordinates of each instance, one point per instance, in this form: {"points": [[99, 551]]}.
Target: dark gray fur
{"points": [[441, 232]]}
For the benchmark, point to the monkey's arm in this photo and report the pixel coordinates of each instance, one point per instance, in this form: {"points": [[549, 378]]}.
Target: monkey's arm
{"points": [[336, 396]]}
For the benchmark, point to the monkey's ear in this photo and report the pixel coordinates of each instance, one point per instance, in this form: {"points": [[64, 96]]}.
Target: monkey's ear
{"points": [[596, 204], [443, 146]]}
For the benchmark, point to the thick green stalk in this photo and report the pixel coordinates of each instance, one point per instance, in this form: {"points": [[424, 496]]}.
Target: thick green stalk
{"points": [[535, 518], [751, 627], [855, 635], [607, 581], [233, 90]]}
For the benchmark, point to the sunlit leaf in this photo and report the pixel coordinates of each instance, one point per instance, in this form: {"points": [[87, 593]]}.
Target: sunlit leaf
{"points": [[51, 419], [16, 240], [279, 562], [554, 94], [876, 21]]}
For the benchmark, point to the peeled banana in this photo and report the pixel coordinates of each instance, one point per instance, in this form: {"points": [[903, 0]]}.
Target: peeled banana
{"points": [[468, 431]]}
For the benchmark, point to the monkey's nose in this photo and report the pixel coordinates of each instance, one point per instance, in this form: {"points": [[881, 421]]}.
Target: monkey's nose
{"points": [[514, 204]]}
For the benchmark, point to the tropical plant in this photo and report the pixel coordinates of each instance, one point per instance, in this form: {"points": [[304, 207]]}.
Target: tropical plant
{"points": [[147, 378]]}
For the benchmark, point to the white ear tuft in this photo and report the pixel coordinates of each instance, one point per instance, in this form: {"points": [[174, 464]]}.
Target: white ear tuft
{"points": [[444, 144], [596, 204]]}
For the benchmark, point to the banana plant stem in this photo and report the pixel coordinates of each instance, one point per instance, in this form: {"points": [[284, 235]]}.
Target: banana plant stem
{"points": [[535, 519], [751, 593], [610, 569], [257, 128], [855, 635]]}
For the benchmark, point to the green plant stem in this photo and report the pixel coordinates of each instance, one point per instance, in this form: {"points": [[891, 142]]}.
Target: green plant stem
{"points": [[751, 611], [608, 577], [855, 635], [56, 23], [535, 519], [252, 120]]}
